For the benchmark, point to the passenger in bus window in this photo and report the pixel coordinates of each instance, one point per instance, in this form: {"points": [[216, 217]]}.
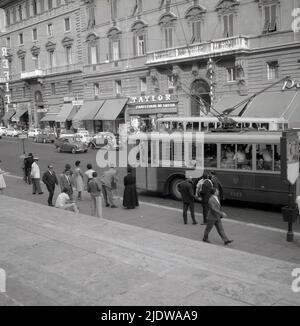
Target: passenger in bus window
{"points": [[189, 127], [266, 154], [227, 157]]}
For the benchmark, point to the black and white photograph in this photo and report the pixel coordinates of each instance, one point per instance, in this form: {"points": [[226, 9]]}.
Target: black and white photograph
{"points": [[149, 156]]}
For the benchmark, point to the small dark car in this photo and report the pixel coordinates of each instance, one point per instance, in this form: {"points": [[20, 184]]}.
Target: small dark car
{"points": [[45, 137], [70, 144]]}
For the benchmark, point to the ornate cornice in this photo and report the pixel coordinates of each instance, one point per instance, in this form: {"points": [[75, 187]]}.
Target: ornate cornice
{"points": [[227, 6], [21, 53], [167, 18], [195, 13], [50, 46], [114, 32], [35, 50], [67, 41], [138, 25]]}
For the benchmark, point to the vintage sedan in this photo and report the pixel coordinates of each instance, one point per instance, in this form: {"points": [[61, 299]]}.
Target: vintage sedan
{"points": [[70, 144], [104, 139], [45, 137], [12, 132]]}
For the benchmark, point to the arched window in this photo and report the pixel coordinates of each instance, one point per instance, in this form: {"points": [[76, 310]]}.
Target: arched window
{"points": [[227, 11], [200, 97], [195, 18], [139, 30], [167, 22], [93, 48], [114, 37]]}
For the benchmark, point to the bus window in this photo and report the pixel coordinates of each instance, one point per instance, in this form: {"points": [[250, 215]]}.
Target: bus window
{"points": [[265, 157], [195, 126], [189, 126], [210, 155], [227, 155], [243, 157]]}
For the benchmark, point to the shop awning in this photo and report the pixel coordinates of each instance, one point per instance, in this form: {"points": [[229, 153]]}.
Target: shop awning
{"points": [[64, 113], [292, 113], [19, 114], [74, 111], [8, 114], [271, 105], [227, 102], [88, 111], [49, 117], [111, 109]]}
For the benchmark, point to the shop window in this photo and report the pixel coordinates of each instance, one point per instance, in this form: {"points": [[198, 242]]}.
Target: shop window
{"points": [[270, 18], [228, 25], [272, 70], [210, 155], [231, 74], [236, 156], [267, 157]]}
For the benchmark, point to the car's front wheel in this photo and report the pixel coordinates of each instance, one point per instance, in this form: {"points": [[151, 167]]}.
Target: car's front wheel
{"points": [[73, 150]]}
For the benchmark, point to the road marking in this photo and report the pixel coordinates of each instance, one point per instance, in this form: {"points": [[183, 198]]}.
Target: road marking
{"points": [[178, 210]]}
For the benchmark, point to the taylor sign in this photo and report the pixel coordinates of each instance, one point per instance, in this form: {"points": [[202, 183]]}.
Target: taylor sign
{"points": [[290, 84], [150, 98]]}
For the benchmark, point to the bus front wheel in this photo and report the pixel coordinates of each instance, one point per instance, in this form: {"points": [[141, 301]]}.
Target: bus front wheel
{"points": [[174, 188]]}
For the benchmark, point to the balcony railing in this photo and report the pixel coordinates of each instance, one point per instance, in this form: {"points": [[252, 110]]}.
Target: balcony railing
{"points": [[63, 69], [200, 49], [32, 74]]}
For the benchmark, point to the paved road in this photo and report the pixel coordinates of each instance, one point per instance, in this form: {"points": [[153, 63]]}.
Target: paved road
{"points": [[11, 149]]}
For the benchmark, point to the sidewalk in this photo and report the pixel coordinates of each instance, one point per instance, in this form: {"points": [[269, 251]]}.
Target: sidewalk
{"points": [[249, 238], [53, 257]]}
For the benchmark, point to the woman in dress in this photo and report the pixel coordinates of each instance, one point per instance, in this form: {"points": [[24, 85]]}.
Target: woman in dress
{"points": [[130, 198], [2, 182], [78, 178]]}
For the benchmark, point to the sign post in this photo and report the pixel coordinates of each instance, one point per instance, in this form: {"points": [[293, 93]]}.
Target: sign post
{"points": [[23, 137], [289, 145]]}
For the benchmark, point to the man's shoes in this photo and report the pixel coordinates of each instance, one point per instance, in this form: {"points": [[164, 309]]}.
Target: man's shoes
{"points": [[194, 223], [228, 242], [40, 193], [206, 240], [113, 206]]}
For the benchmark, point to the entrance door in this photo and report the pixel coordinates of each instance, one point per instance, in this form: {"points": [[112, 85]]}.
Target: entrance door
{"points": [[200, 98]]}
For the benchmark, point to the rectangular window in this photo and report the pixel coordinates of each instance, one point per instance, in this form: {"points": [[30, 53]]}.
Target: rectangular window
{"points": [[50, 4], [118, 87], [53, 90], [196, 31], [22, 64], [14, 15], [8, 43], [21, 40], [268, 157], [272, 70], [270, 18], [34, 34], [93, 54], [67, 24], [141, 45], [35, 58], [70, 86], [34, 7], [20, 11], [114, 9], [91, 16], [171, 82], [168, 37], [69, 55], [231, 74], [115, 50], [210, 155], [236, 156], [7, 14], [96, 89], [50, 30], [228, 25], [42, 6], [51, 59], [143, 85]]}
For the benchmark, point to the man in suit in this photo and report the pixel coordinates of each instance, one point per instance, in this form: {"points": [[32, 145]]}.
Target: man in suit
{"points": [[186, 189], [50, 180], [28, 161], [109, 183], [65, 182], [205, 194], [214, 217]]}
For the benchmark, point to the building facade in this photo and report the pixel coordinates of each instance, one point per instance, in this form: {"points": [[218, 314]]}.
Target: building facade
{"points": [[45, 58], [136, 60]]}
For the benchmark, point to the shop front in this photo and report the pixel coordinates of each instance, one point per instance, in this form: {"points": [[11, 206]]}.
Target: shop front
{"points": [[143, 111]]}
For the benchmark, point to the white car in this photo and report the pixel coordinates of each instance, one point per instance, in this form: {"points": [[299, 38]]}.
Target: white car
{"points": [[3, 131], [13, 132], [32, 133]]}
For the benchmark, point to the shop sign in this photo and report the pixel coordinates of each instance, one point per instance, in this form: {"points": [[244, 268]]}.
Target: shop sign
{"points": [[153, 101], [42, 110], [77, 103], [5, 68], [290, 84]]}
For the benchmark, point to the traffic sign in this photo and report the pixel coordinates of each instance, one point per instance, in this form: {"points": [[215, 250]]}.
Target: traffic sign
{"points": [[290, 156]]}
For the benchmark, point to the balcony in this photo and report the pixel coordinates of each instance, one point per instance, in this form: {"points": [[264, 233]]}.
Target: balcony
{"points": [[38, 73], [64, 69], [212, 48]]}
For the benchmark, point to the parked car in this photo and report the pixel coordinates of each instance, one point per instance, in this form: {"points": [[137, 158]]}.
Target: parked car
{"points": [[70, 144], [3, 131], [45, 137], [104, 139], [12, 132], [32, 133]]}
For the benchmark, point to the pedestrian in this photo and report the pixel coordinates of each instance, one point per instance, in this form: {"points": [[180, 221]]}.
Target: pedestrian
{"points": [[65, 181], [28, 163], [215, 214], [50, 180], [186, 188], [109, 181], [94, 188], [217, 184], [2, 181], [35, 175], [130, 197], [78, 178], [205, 195], [22, 164], [63, 201], [89, 173]]}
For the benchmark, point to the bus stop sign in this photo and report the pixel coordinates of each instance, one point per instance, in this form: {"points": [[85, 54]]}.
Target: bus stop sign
{"points": [[290, 156]]}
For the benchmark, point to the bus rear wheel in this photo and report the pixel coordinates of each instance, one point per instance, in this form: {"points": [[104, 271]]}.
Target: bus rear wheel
{"points": [[174, 191]]}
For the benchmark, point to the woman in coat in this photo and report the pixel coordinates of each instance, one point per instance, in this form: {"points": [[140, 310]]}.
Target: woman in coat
{"points": [[130, 198]]}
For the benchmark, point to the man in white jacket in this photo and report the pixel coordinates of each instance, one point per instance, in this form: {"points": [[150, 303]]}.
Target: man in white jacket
{"points": [[36, 176]]}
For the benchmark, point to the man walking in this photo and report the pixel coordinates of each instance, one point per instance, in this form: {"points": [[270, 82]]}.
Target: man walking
{"points": [[109, 181], [35, 176], [50, 180], [188, 199], [205, 194], [214, 218], [94, 188], [65, 182]]}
